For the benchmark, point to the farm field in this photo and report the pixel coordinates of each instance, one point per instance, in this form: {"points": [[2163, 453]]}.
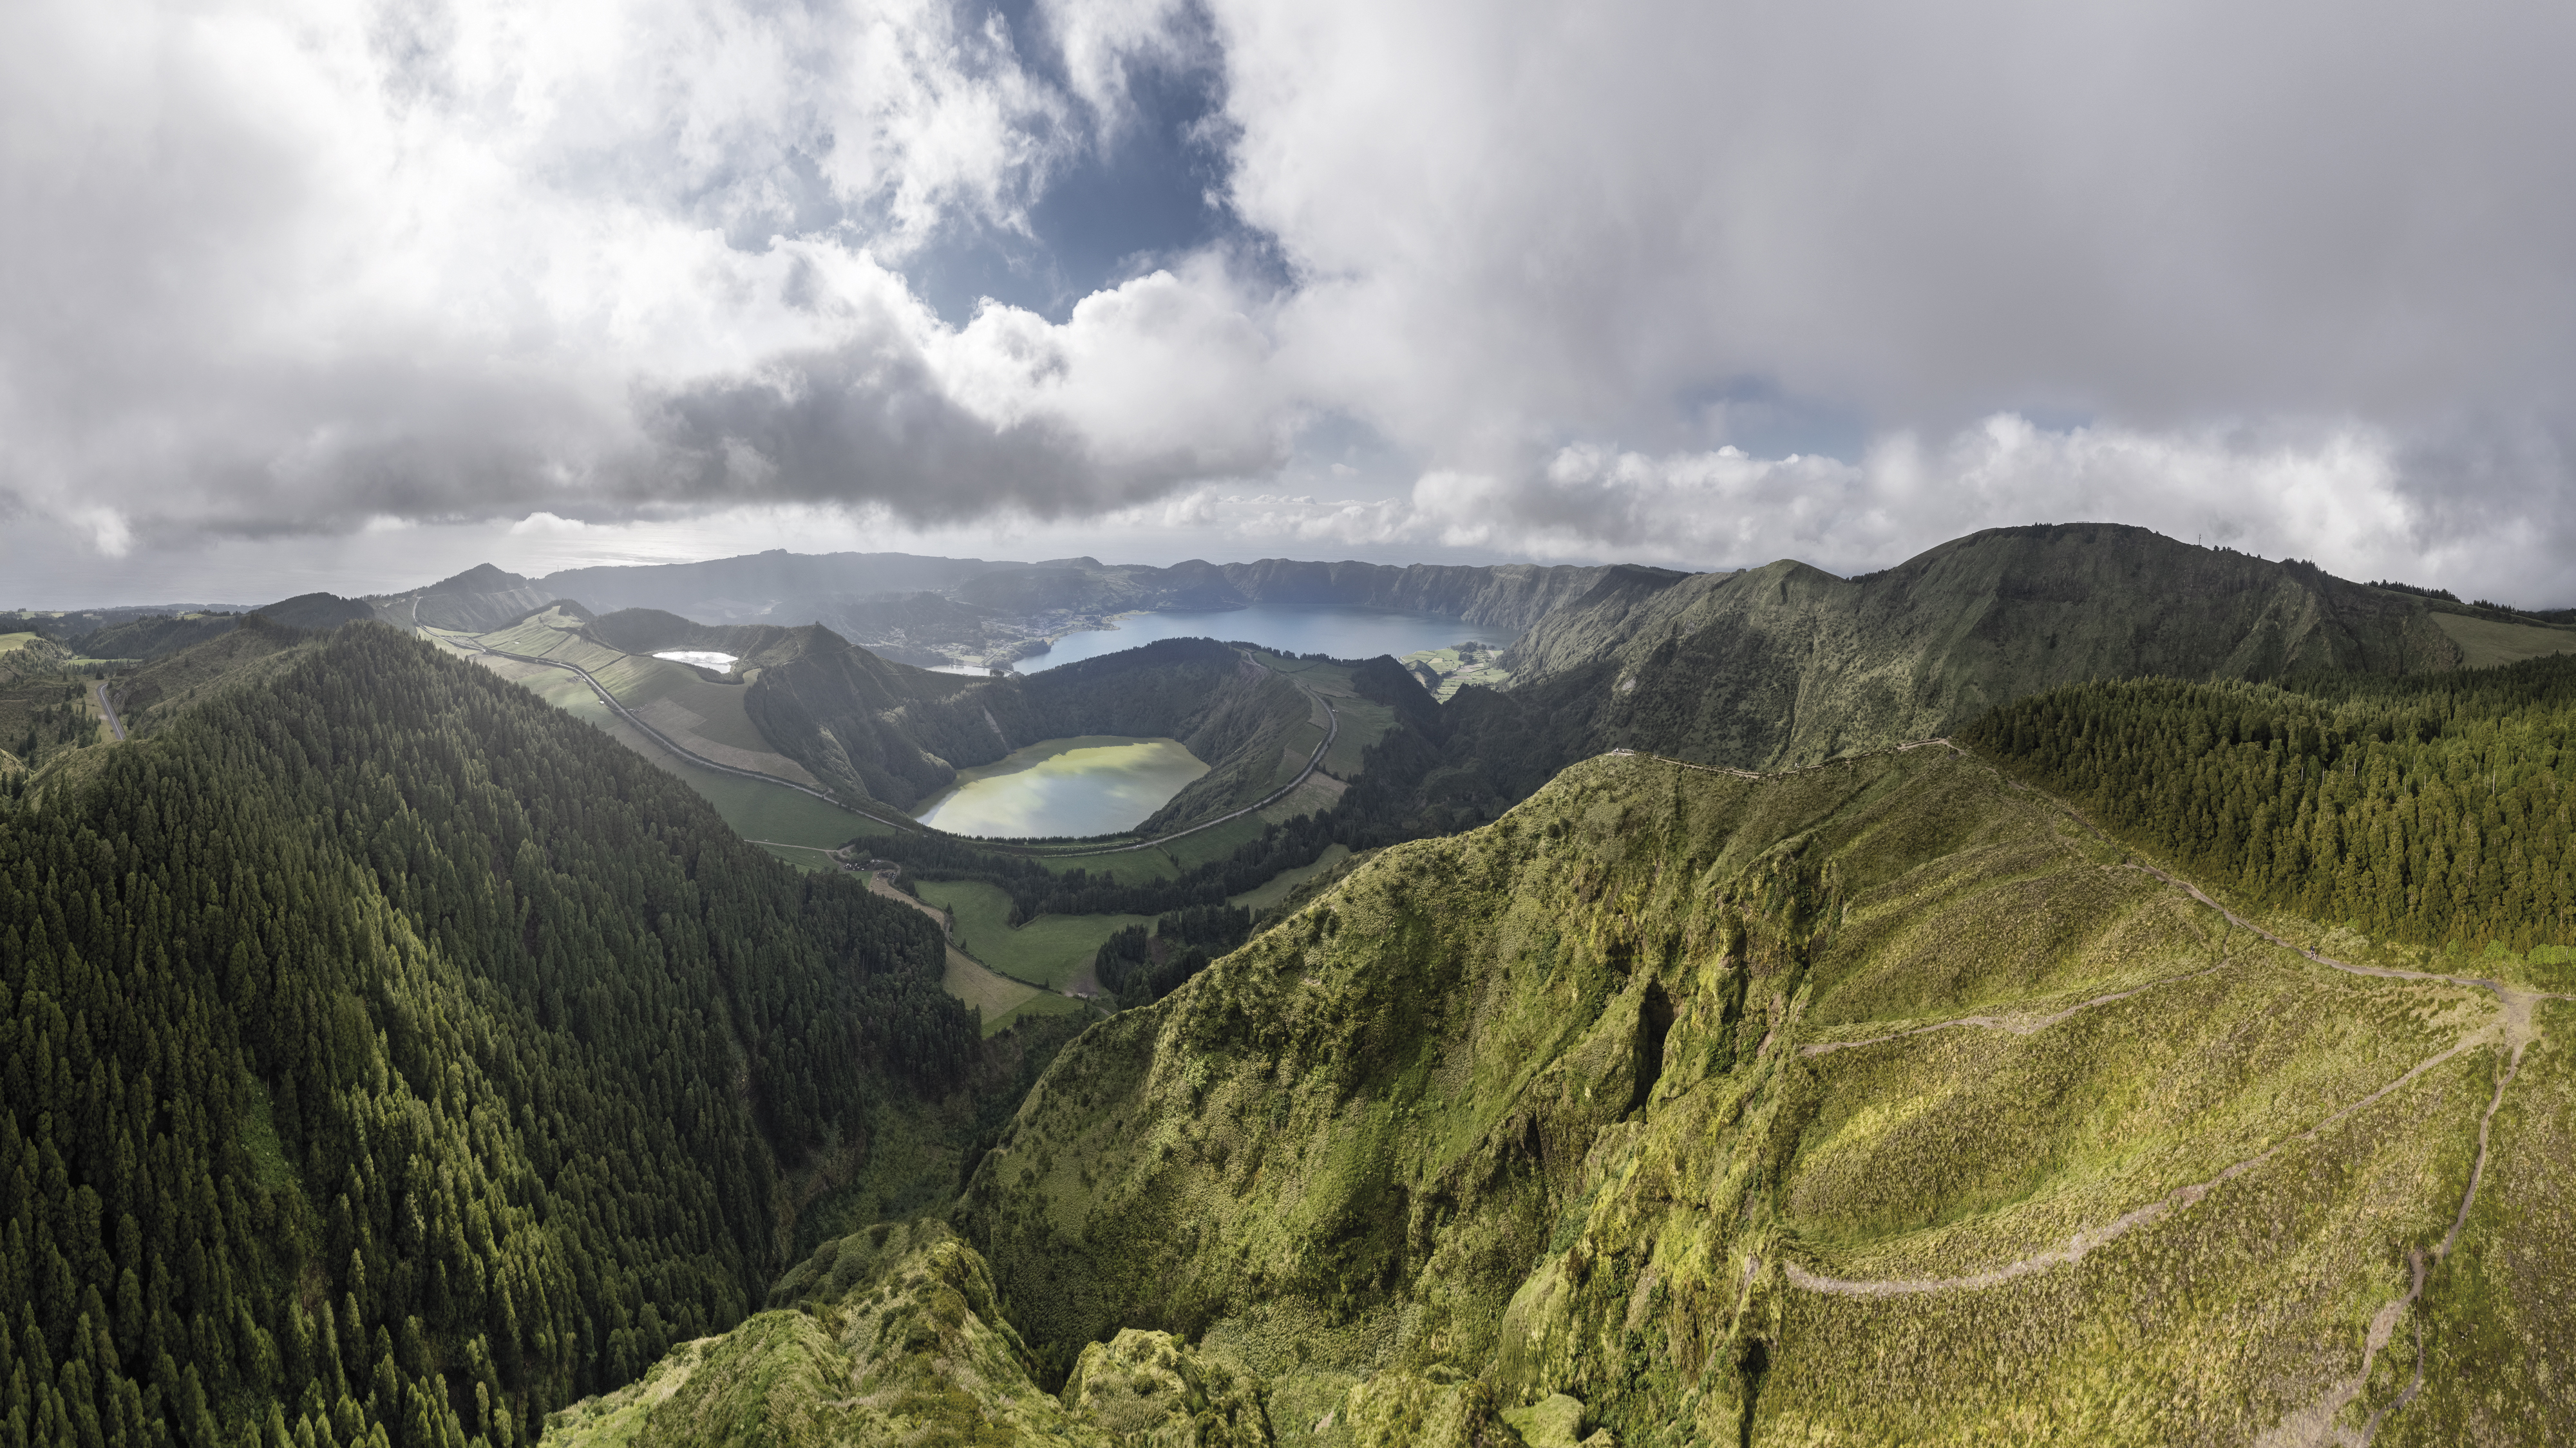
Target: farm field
{"points": [[1262, 897], [1052, 950], [1455, 669], [1001, 999], [705, 717], [2485, 641]]}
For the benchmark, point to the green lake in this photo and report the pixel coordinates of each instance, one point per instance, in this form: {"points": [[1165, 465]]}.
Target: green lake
{"points": [[1093, 784]]}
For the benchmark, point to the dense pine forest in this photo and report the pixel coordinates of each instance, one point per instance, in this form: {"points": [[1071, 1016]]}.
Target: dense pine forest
{"points": [[2434, 811], [389, 1058], [1136, 975]]}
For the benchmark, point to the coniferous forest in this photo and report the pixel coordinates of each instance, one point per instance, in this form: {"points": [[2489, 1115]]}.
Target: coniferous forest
{"points": [[389, 1058], [2433, 810]]}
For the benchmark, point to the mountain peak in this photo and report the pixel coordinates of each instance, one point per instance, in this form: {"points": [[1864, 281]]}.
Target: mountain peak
{"points": [[481, 578]]}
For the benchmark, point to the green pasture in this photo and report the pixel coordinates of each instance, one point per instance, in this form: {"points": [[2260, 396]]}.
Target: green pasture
{"points": [[1050, 951], [1262, 897], [2485, 641]]}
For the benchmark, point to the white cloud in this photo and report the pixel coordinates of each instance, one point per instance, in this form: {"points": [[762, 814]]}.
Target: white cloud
{"points": [[1513, 220], [2331, 493], [287, 265], [290, 267]]}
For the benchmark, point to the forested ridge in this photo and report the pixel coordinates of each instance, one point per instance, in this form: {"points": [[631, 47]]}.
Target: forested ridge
{"points": [[2433, 810], [388, 1057]]}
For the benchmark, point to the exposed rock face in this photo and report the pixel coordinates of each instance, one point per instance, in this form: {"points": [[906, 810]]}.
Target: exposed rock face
{"points": [[893, 1336]]}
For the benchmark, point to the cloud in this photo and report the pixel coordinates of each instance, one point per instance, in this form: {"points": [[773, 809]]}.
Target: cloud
{"points": [[1512, 220], [2337, 495], [289, 268], [1678, 281]]}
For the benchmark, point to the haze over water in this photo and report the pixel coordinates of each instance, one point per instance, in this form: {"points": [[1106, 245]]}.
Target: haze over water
{"points": [[1344, 633]]}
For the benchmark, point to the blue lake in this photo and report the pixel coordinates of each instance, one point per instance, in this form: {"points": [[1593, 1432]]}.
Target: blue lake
{"points": [[1344, 633]]}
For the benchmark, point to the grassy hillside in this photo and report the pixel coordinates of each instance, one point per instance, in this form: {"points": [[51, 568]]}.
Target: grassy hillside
{"points": [[894, 1335], [481, 598], [151, 638], [1882, 1101], [2487, 641], [1879, 1101]]}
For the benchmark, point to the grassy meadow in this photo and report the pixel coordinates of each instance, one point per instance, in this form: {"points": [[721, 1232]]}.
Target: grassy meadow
{"points": [[1052, 950], [771, 815], [2487, 641]]}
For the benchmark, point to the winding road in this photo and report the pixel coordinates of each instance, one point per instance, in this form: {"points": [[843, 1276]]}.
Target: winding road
{"points": [[115, 725]]}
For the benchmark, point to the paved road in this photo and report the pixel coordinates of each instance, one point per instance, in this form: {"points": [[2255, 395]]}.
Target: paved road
{"points": [[115, 725]]}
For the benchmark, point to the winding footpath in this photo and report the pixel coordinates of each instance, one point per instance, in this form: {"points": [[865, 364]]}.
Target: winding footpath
{"points": [[2017, 1025], [2512, 1027]]}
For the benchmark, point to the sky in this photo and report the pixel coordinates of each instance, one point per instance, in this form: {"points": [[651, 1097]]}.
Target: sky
{"points": [[334, 294]]}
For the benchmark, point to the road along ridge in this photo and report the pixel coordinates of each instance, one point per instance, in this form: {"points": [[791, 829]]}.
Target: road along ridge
{"points": [[1332, 728]]}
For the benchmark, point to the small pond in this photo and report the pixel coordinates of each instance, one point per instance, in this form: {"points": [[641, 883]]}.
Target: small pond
{"points": [[703, 658], [1344, 633], [1093, 784]]}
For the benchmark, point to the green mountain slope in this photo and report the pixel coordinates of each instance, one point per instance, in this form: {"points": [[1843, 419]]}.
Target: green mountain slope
{"points": [[646, 630], [158, 636], [1878, 1101], [1786, 664], [893, 1335], [734, 589], [389, 1057], [1883, 1100], [482, 597], [2426, 811]]}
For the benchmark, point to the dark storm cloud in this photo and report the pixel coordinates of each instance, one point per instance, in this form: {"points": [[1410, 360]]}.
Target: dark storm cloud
{"points": [[858, 424]]}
